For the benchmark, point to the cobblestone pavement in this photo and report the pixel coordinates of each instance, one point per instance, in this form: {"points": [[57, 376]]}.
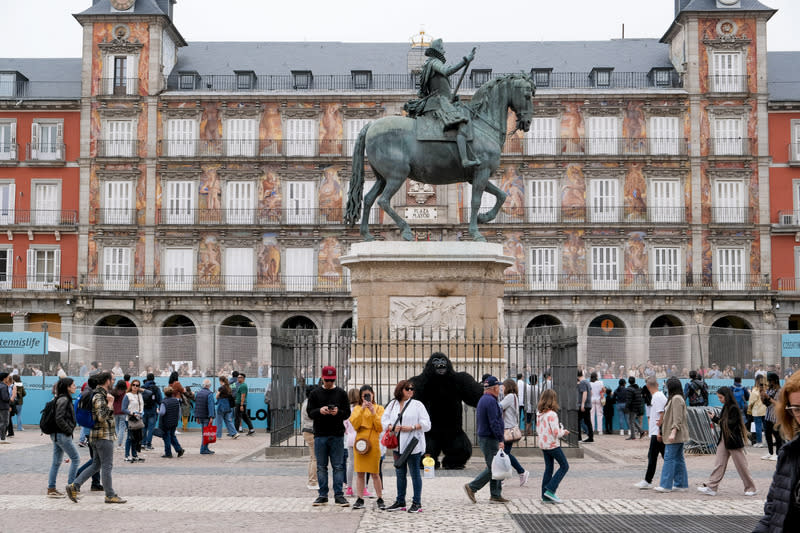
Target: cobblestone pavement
{"points": [[241, 489]]}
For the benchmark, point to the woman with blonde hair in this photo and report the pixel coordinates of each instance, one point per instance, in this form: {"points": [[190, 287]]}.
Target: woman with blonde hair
{"points": [[782, 508], [510, 406], [366, 420], [757, 409], [550, 432]]}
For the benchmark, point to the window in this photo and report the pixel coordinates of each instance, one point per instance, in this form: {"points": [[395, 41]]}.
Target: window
{"points": [[300, 207], [543, 273], [7, 201], [604, 200], [300, 269], [605, 268], [303, 79], [187, 80], [181, 137], [47, 140], [480, 76], [8, 82], [6, 268], [8, 140], [603, 135], [664, 135], [487, 200], [543, 137], [727, 73], [728, 136], [245, 80], [730, 269], [541, 76], [666, 268], [543, 201], [299, 135], [794, 151], [662, 77], [240, 202], [362, 79], [178, 269], [728, 202], [121, 75], [352, 127], [44, 268], [119, 141], [180, 202], [665, 201], [239, 269], [602, 77], [47, 203], [116, 269], [117, 208], [241, 138]]}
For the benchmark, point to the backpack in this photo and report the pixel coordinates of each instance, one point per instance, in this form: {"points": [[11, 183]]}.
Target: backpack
{"points": [[698, 394], [152, 400], [47, 422], [741, 395], [83, 411]]}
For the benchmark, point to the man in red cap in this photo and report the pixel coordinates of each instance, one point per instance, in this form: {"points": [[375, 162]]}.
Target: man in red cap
{"points": [[328, 407]]}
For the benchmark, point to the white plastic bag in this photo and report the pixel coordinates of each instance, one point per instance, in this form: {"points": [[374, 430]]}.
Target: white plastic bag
{"points": [[349, 434], [501, 466]]}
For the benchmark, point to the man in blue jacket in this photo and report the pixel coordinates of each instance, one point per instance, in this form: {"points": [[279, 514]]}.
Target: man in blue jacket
{"points": [[490, 438], [204, 412]]}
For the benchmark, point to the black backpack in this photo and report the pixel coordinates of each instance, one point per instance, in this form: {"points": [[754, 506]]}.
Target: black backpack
{"points": [[152, 400], [47, 422]]}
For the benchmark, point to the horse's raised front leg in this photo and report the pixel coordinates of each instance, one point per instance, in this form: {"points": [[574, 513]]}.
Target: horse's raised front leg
{"points": [[500, 196], [369, 200], [479, 183], [393, 184]]}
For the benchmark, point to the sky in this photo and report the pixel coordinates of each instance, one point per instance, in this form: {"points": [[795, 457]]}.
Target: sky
{"points": [[45, 28]]}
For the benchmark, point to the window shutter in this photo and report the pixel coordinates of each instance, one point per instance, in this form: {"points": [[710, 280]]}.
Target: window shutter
{"points": [[299, 269], [12, 201], [605, 194], [57, 267], [543, 268], [665, 201], [729, 202], [301, 202], [666, 266], [542, 137], [59, 140], [239, 269], [31, 267], [605, 268], [664, 138], [240, 202], [13, 140], [132, 74], [542, 201], [9, 267], [730, 269], [47, 204], [34, 140]]}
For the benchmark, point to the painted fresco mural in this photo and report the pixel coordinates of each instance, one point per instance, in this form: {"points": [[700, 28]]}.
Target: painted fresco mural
{"points": [[331, 130], [572, 126], [513, 247], [210, 122], [707, 258], [210, 190], [91, 267], [139, 257], [745, 29], [635, 193], [633, 127], [513, 185], [635, 256], [269, 195], [104, 32], [270, 131], [268, 254], [328, 266], [573, 192], [331, 194], [209, 259], [573, 254]]}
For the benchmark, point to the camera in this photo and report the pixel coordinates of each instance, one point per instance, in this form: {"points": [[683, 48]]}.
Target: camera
{"points": [[368, 397]]}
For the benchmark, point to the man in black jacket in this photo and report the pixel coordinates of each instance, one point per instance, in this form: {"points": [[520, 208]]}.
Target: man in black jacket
{"points": [[634, 407], [328, 408]]}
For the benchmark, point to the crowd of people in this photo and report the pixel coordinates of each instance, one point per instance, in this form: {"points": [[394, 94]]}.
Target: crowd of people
{"points": [[610, 370]]}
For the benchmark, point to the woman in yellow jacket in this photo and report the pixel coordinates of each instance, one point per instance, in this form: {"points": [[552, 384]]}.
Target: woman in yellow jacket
{"points": [[366, 419]]}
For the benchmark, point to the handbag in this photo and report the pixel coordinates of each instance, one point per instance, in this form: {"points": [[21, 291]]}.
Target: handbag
{"points": [[209, 434], [390, 440], [362, 446], [135, 422], [400, 460], [512, 434], [158, 432]]}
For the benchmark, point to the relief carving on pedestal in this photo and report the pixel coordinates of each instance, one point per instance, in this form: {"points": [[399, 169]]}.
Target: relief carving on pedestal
{"points": [[428, 312]]}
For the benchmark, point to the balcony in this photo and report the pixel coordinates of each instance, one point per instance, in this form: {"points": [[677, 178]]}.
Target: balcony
{"points": [[9, 154], [39, 217], [725, 147], [24, 89], [637, 283], [259, 216], [794, 154], [408, 82], [38, 282], [118, 87], [124, 149], [731, 215], [615, 146], [789, 284], [725, 83], [587, 215], [115, 216], [45, 153], [254, 148], [258, 284]]}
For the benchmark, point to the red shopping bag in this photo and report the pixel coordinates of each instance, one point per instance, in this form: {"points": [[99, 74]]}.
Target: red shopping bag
{"points": [[209, 434]]}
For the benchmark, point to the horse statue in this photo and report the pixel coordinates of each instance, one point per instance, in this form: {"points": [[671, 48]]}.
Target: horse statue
{"points": [[395, 154]]}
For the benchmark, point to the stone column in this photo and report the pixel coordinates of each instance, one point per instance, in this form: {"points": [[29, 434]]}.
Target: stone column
{"points": [[265, 342], [20, 321], [66, 335], [205, 343]]}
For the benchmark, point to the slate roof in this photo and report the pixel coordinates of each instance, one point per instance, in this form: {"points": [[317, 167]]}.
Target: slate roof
{"points": [[711, 5], [279, 58], [783, 78], [141, 7], [47, 78]]}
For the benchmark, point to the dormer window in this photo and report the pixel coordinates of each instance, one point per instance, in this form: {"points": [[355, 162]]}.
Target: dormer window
{"points": [[661, 77], [303, 79], [12, 84], [362, 79], [245, 80], [187, 81], [601, 77], [480, 76], [541, 76]]}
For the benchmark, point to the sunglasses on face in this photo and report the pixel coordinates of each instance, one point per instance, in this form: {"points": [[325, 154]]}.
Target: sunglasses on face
{"points": [[409, 388], [794, 409], [134, 385]]}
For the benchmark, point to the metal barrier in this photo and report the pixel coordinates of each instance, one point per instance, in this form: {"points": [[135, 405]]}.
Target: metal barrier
{"points": [[703, 433]]}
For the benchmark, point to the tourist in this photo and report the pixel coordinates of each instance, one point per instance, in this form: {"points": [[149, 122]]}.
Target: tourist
{"points": [[550, 432], [658, 402], [349, 441], [20, 400], [510, 406], [62, 439], [133, 409], [151, 403], [366, 420], [584, 407], [696, 390], [634, 407], [204, 413], [598, 393], [675, 425], [768, 398], [409, 420], [120, 425], [608, 411], [187, 402], [757, 409], [733, 435], [170, 414], [101, 441], [7, 397], [224, 406], [620, 395], [489, 419], [240, 399], [328, 408], [781, 509], [307, 428], [532, 393]]}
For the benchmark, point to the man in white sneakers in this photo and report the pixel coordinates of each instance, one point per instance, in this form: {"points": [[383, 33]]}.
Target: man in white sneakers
{"points": [[658, 403]]}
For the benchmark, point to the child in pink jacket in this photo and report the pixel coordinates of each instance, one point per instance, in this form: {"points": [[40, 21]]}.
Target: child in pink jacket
{"points": [[550, 432]]}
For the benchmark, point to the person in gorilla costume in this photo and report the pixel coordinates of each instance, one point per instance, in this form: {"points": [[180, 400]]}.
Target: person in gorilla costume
{"points": [[441, 390]]}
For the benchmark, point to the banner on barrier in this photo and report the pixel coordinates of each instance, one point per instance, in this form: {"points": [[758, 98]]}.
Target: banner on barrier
{"points": [[23, 343], [790, 345]]}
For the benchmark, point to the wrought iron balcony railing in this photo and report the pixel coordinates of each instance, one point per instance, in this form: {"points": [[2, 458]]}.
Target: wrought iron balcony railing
{"points": [[789, 284], [38, 282], [54, 152], [254, 284], [587, 215], [118, 86], [121, 216], [617, 146], [254, 148], [24, 89], [731, 215], [241, 216], [9, 152], [115, 148], [722, 146], [39, 217], [728, 83], [668, 281]]}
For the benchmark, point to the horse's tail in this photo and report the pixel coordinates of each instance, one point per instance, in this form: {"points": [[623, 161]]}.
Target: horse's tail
{"points": [[354, 197]]}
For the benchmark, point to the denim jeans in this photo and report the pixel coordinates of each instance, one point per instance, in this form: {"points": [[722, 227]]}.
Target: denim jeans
{"points": [[19, 418], [489, 447], [633, 422], [84, 433], [63, 444], [87, 464], [121, 425], [102, 461], [171, 440], [149, 417], [551, 481], [416, 480], [5, 420], [673, 473], [227, 421], [203, 423], [759, 421], [621, 416], [514, 463], [330, 448]]}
